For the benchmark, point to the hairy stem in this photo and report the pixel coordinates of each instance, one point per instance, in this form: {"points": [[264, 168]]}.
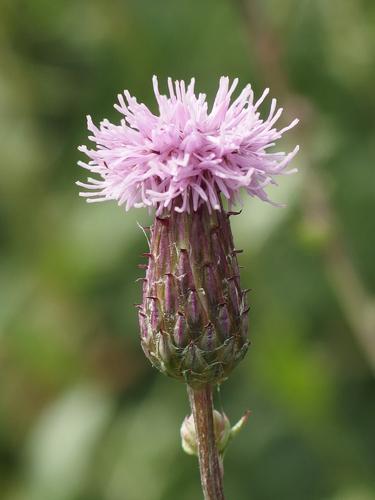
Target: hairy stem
{"points": [[209, 461]]}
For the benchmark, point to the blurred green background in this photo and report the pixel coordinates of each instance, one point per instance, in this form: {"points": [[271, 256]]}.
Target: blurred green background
{"points": [[82, 414]]}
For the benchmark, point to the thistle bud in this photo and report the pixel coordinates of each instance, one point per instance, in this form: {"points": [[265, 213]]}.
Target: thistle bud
{"points": [[193, 317], [222, 431]]}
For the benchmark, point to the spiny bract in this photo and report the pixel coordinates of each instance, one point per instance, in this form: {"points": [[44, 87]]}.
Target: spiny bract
{"points": [[194, 315]]}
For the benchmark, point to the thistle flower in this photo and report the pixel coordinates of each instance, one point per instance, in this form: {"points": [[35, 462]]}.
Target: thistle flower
{"points": [[186, 154], [183, 162]]}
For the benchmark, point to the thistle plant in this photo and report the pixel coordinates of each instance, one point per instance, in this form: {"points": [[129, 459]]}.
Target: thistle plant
{"points": [[188, 165]]}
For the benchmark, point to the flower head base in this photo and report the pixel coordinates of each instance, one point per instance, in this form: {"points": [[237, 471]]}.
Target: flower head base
{"points": [[186, 153], [194, 314]]}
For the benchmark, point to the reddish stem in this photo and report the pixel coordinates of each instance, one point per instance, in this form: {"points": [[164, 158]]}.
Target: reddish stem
{"points": [[209, 461]]}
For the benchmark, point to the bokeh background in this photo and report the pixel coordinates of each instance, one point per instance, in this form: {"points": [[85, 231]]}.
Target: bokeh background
{"points": [[82, 414]]}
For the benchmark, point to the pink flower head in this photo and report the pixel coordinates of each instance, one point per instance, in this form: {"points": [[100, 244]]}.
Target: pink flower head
{"points": [[186, 154]]}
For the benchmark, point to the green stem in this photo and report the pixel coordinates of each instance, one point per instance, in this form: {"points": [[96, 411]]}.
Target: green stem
{"points": [[209, 461]]}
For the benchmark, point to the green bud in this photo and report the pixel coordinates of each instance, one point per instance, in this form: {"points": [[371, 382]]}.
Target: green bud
{"points": [[224, 433], [189, 438]]}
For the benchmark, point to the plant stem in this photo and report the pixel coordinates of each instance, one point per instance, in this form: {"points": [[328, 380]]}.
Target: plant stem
{"points": [[209, 462]]}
